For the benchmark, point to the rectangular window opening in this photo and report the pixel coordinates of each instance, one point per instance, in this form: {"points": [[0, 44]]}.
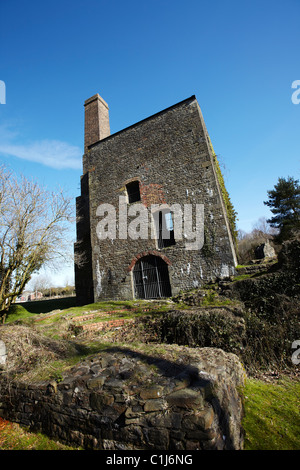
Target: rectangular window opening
{"points": [[133, 191], [165, 230]]}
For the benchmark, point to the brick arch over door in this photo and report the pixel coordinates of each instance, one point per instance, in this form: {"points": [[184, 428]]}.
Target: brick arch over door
{"points": [[147, 253], [151, 278]]}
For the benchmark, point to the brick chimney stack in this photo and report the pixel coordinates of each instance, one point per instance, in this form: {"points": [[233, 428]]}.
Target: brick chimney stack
{"points": [[96, 123]]}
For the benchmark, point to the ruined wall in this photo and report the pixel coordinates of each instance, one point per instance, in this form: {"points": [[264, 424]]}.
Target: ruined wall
{"points": [[170, 155], [185, 399], [82, 247]]}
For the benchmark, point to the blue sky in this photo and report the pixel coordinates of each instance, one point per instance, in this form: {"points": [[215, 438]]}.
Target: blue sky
{"points": [[239, 58]]}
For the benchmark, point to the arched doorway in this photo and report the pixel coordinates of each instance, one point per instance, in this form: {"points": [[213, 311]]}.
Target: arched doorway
{"points": [[151, 278]]}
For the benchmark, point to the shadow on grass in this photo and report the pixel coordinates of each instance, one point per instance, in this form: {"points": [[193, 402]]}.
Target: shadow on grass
{"points": [[45, 306]]}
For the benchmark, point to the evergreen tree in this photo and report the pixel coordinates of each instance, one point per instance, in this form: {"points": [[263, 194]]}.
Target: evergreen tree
{"points": [[284, 201]]}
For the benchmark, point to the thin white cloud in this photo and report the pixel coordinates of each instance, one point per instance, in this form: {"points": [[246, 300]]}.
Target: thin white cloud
{"points": [[51, 153]]}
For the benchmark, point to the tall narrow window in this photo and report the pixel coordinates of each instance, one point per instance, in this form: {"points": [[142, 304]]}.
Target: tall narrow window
{"points": [[151, 278], [133, 191], [165, 229]]}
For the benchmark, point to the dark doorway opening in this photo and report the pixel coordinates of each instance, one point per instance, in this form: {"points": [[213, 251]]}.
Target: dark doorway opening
{"points": [[151, 278]]}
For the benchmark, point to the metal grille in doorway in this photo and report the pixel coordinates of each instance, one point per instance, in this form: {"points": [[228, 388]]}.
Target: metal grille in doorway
{"points": [[151, 278]]}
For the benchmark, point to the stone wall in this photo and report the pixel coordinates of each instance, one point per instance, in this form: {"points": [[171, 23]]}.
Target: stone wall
{"points": [[170, 155], [183, 399]]}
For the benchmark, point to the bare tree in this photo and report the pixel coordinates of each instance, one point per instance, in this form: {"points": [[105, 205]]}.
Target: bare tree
{"points": [[34, 223], [263, 228], [39, 283], [247, 242]]}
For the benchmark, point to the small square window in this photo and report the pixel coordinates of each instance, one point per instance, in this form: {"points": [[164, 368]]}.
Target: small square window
{"points": [[133, 191]]}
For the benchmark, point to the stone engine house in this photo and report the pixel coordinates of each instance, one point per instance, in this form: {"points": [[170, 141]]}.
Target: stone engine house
{"points": [[144, 189]]}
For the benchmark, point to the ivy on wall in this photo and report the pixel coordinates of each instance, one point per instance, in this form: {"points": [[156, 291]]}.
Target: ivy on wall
{"points": [[231, 213]]}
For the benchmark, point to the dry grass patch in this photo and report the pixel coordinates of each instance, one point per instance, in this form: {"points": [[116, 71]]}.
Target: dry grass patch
{"points": [[28, 350]]}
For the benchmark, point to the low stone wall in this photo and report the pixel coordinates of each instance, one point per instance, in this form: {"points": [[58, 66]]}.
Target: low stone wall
{"points": [[122, 399], [79, 327]]}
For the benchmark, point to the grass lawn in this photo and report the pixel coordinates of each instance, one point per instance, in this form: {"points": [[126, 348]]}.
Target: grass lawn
{"points": [[15, 437], [272, 415], [272, 409], [67, 305], [39, 306]]}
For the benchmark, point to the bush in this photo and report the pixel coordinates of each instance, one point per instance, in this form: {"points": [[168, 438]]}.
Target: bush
{"points": [[272, 311], [213, 327]]}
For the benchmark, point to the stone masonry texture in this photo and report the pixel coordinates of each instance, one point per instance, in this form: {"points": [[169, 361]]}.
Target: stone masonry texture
{"points": [[169, 154], [125, 399]]}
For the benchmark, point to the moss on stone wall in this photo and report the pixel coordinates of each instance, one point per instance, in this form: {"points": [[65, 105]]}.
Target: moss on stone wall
{"points": [[231, 213]]}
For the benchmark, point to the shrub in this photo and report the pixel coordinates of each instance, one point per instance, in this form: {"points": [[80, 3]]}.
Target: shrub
{"points": [[213, 327]]}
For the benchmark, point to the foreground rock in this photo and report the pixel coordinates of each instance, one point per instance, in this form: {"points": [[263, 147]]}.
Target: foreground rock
{"points": [[181, 398]]}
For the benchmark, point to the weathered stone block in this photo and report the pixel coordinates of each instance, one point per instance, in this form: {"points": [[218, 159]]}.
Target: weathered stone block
{"points": [[99, 401], [96, 383], [185, 398], [201, 419], [154, 405], [152, 392]]}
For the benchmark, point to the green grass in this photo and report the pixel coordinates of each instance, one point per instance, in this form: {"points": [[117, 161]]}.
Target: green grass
{"points": [[272, 410], [272, 415], [241, 277], [211, 299], [15, 437], [63, 307], [17, 312], [28, 309], [45, 306]]}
